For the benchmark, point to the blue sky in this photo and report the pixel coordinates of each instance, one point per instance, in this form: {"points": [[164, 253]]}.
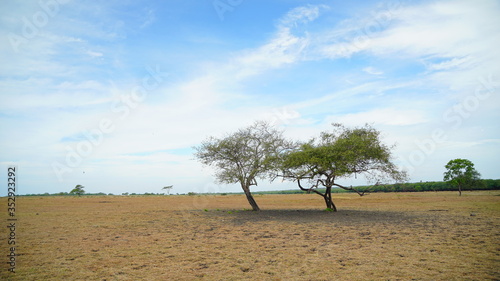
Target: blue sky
{"points": [[113, 95]]}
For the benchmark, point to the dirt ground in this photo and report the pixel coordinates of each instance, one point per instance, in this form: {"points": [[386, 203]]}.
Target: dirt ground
{"points": [[381, 236]]}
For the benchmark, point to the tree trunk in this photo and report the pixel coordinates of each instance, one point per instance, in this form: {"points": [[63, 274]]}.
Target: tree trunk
{"points": [[459, 190], [328, 199], [250, 199], [327, 195]]}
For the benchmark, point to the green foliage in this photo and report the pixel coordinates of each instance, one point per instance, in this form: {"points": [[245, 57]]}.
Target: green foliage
{"points": [[430, 186], [342, 153], [78, 190], [245, 155], [461, 174], [242, 157], [491, 184]]}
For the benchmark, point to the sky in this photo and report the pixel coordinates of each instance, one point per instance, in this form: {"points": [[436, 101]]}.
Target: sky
{"points": [[114, 95]]}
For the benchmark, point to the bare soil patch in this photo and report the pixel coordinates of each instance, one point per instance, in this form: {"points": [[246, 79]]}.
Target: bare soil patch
{"points": [[392, 236]]}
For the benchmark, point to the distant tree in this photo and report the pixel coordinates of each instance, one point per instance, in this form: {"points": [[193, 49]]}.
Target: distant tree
{"points": [[342, 153], [461, 173], [242, 157], [167, 188], [78, 190]]}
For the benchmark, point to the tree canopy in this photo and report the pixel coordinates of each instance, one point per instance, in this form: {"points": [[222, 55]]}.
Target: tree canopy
{"points": [[461, 173], [78, 190], [243, 156], [341, 153], [167, 188]]}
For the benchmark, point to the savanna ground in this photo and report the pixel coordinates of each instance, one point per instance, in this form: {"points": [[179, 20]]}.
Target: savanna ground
{"points": [[381, 236]]}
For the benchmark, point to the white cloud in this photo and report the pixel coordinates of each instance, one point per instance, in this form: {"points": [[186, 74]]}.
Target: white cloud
{"points": [[301, 15], [283, 48], [94, 54], [55, 88], [449, 64], [449, 29], [384, 116], [36, 94], [372, 70], [459, 31]]}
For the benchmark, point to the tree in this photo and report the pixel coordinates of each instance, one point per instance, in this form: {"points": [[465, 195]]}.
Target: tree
{"points": [[242, 157], [78, 190], [461, 173], [167, 188], [342, 153]]}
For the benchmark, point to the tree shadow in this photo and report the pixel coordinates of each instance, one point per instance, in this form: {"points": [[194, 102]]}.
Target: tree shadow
{"points": [[343, 216]]}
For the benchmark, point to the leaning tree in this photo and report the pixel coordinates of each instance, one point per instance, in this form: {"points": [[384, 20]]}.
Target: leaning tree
{"points": [[242, 157], [167, 188], [78, 190], [461, 173], [342, 153]]}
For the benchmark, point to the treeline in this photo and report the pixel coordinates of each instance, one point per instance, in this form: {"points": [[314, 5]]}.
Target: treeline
{"points": [[398, 187], [66, 194], [430, 186], [404, 187], [92, 194]]}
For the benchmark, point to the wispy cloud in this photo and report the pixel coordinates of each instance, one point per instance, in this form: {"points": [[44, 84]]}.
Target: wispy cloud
{"points": [[372, 70], [301, 15], [400, 67], [94, 54], [284, 48], [149, 18], [384, 116]]}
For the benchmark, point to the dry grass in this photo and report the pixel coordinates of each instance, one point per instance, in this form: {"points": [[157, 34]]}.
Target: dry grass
{"points": [[421, 236]]}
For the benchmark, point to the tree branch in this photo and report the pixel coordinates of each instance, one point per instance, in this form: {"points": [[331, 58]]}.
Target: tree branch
{"points": [[308, 190], [352, 189]]}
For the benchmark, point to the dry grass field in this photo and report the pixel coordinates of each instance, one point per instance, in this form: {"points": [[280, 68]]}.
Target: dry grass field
{"points": [[382, 236]]}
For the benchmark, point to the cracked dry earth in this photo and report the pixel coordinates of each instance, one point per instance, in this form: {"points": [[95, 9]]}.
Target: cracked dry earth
{"points": [[382, 236]]}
